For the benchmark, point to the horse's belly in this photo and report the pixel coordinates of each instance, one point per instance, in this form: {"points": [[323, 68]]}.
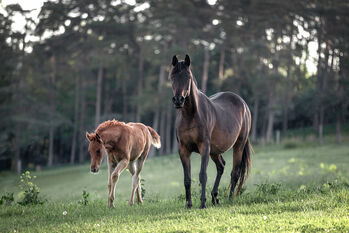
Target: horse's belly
{"points": [[221, 141]]}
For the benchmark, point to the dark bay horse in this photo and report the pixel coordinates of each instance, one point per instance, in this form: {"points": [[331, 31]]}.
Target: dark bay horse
{"points": [[209, 126]]}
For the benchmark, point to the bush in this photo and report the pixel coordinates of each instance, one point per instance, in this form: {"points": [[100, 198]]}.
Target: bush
{"points": [[30, 190], [7, 199], [85, 196], [266, 188], [143, 188]]}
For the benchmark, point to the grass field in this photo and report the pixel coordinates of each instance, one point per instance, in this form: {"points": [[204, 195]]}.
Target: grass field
{"points": [[301, 189]]}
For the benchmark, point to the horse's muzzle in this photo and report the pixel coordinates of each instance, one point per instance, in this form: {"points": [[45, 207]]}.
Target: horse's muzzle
{"points": [[178, 101]]}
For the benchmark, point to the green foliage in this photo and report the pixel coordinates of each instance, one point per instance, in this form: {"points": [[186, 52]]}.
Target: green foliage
{"points": [[143, 187], [85, 198], [7, 199], [30, 191], [267, 188]]}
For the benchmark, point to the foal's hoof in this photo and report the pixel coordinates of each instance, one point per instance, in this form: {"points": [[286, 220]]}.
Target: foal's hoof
{"points": [[111, 206], [130, 203]]}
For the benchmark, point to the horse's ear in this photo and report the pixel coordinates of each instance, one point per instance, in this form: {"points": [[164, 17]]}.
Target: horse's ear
{"points": [[98, 138], [89, 136], [174, 60], [187, 60]]}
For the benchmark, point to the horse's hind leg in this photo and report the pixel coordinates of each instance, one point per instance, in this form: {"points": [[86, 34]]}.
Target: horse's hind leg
{"points": [[235, 173], [220, 163]]}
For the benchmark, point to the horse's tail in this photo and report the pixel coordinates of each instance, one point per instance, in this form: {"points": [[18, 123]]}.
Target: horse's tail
{"points": [[244, 167], [155, 137]]}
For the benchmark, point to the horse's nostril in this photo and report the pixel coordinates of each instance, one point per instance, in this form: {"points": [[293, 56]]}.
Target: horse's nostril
{"points": [[174, 99], [181, 99]]}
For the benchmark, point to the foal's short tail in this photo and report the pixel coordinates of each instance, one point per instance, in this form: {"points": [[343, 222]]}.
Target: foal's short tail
{"points": [[244, 167], [155, 137]]}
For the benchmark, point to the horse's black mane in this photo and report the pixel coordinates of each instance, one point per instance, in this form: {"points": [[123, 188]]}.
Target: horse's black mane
{"points": [[179, 68]]}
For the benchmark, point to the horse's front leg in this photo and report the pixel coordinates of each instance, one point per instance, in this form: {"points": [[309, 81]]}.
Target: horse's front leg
{"points": [[185, 159], [204, 149], [114, 179]]}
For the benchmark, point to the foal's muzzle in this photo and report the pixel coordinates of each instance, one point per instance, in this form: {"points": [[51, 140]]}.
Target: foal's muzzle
{"points": [[178, 101], [94, 170]]}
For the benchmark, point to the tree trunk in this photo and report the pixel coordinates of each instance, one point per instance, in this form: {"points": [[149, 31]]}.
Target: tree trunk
{"points": [[17, 156], [221, 67], [255, 119], [53, 106], [270, 127], [82, 129], [157, 107], [162, 129], [108, 100], [140, 86], [339, 128], [124, 97], [205, 70], [76, 113], [168, 130], [99, 93]]}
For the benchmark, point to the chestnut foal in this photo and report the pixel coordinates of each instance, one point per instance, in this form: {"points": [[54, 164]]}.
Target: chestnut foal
{"points": [[127, 146]]}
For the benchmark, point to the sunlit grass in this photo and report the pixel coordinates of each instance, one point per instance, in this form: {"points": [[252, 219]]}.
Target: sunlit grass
{"points": [[300, 189]]}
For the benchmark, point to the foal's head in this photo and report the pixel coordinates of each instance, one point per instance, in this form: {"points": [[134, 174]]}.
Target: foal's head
{"points": [[180, 75], [96, 150]]}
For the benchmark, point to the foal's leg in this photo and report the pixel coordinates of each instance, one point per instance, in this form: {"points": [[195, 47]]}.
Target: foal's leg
{"points": [[235, 173], [114, 178], [111, 168], [185, 159], [220, 163], [140, 163], [204, 149], [135, 180]]}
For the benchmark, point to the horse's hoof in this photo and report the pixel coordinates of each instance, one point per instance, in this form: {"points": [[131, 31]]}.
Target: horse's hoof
{"points": [[130, 203], [203, 206], [188, 205], [110, 206]]}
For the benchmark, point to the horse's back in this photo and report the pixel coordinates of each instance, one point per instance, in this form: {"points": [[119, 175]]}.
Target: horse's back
{"points": [[227, 99]]}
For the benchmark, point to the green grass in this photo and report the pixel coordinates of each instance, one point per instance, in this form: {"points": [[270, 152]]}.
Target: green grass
{"points": [[303, 189]]}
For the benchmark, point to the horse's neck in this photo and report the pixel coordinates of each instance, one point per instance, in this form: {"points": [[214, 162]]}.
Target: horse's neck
{"points": [[191, 106]]}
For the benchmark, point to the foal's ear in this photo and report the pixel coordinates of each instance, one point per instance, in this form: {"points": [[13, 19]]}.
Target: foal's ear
{"points": [[187, 60], [89, 136], [174, 60]]}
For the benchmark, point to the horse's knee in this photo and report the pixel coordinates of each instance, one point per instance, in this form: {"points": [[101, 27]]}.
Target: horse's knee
{"points": [[187, 183], [203, 177], [115, 177]]}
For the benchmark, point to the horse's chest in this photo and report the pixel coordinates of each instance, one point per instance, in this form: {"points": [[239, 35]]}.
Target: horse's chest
{"points": [[189, 138]]}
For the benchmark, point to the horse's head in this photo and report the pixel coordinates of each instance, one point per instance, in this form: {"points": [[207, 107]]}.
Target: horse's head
{"points": [[181, 76], [96, 150]]}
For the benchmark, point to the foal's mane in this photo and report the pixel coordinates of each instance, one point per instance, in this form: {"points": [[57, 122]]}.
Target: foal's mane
{"points": [[107, 124]]}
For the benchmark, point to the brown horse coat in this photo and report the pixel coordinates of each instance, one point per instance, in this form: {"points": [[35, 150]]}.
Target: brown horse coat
{"points": [[127, 146], [209, 126]]}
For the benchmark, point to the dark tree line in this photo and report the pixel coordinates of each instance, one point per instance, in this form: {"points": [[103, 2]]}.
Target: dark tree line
{"points": [[98, 60]]}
